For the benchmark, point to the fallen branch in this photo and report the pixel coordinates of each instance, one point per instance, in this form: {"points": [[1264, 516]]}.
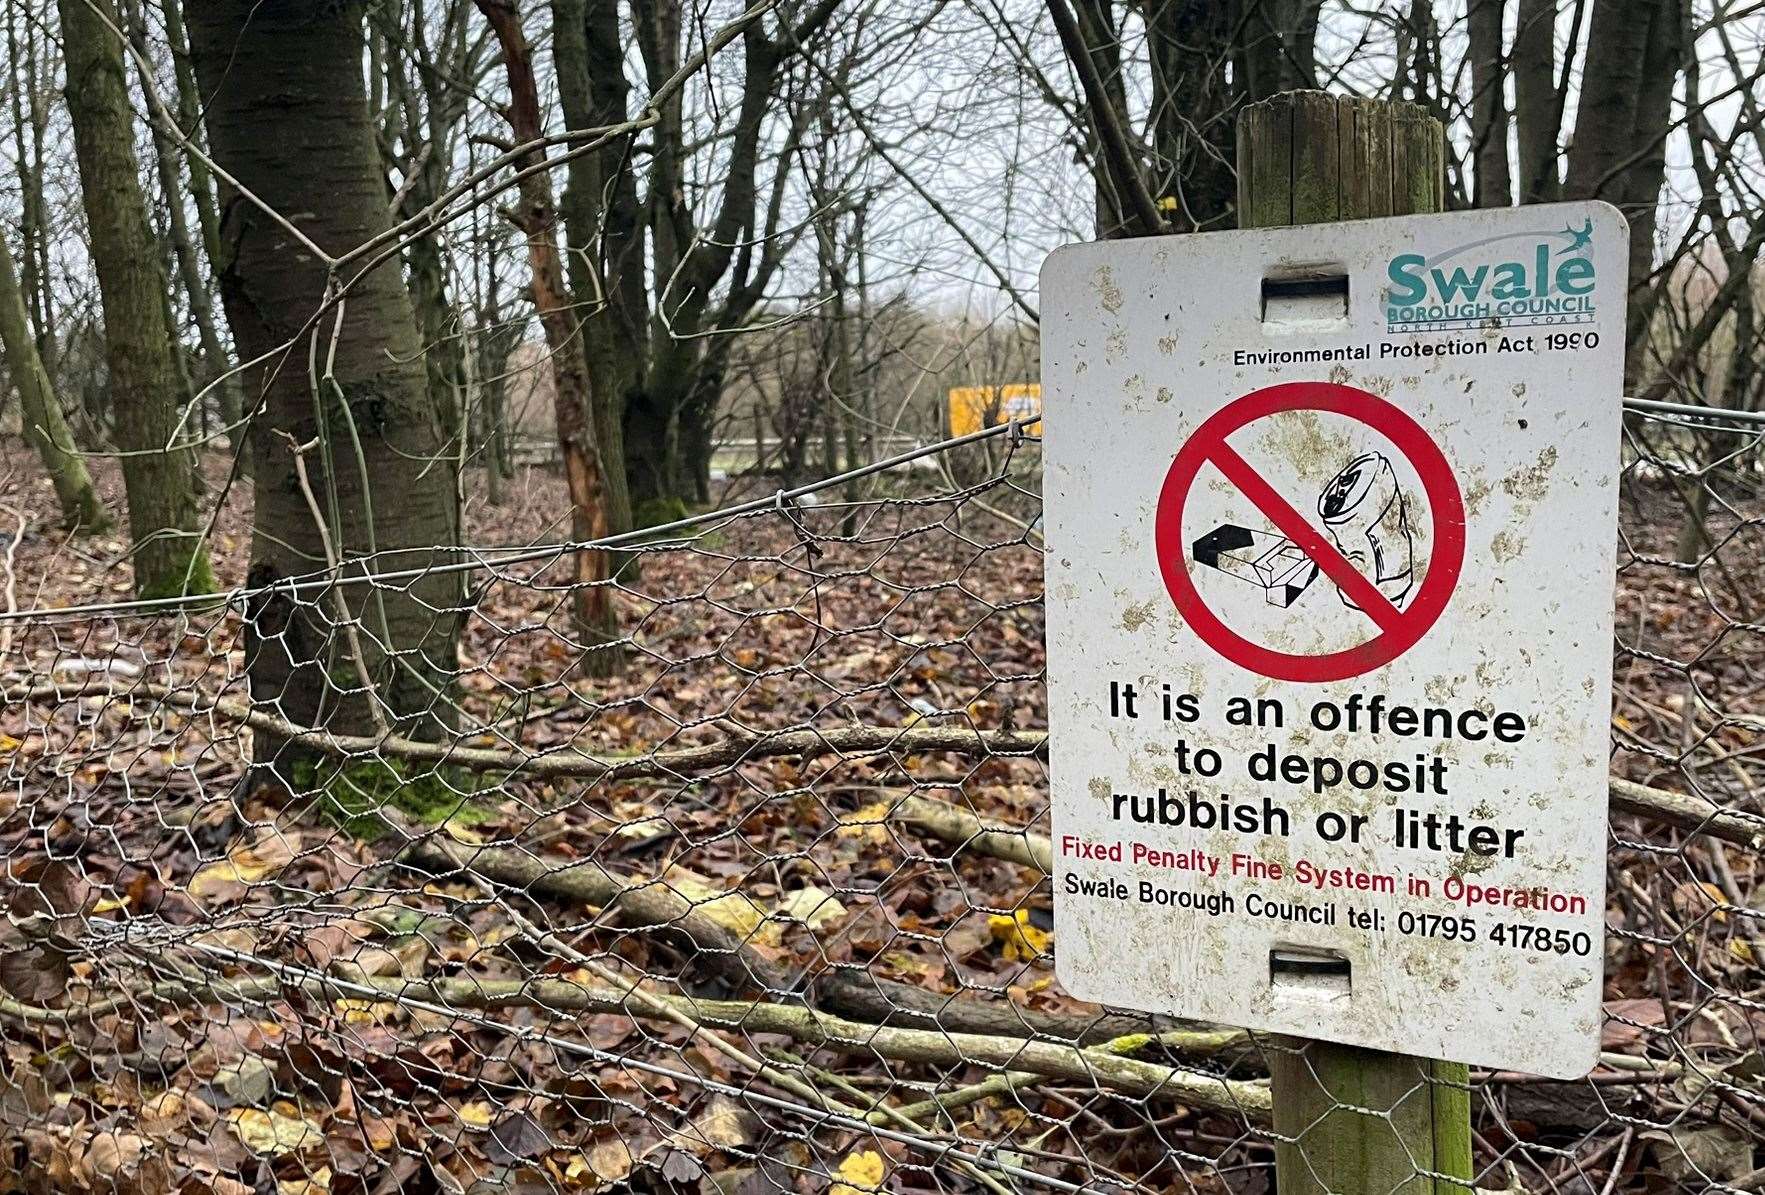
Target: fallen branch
{"points": [[860, 996], [1679, 810], [1695, 815], [565, 761], [653, 905], [1109, 1066], [1090, 1065], [638, 906]]}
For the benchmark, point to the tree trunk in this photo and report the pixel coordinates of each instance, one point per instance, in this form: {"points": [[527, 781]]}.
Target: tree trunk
{"points": [[1489, 104], [44, 425], [1538, 98], [287, 116], [1279, 44], [604, 223], [28, 121], [1606, 112], [1189, 43], [195, 279], [596, 616], [147, 396], [1624, 117]]}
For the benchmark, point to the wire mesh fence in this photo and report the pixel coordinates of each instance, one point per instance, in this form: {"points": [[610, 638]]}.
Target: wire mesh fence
{"points": [[766, 906]]}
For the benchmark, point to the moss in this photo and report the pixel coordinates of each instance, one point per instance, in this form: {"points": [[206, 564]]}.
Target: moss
{"points": [[1129, 1044], [654, 512], [352, 796], [192, 575]]}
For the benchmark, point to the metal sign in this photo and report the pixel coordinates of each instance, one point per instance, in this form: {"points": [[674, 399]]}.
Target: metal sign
{"points": [[1331, 530]]}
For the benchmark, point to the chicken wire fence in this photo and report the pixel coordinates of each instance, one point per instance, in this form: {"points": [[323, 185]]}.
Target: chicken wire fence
{"points": [[767, 909]]}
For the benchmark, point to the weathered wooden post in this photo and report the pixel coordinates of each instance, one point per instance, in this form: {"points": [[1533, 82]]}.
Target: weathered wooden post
{"points": [[1353, 1121]]}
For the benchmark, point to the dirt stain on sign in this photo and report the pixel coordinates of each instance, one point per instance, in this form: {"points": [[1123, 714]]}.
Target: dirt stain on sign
{"points": [[1108, 293], [1136, 616], [1531, 483]]}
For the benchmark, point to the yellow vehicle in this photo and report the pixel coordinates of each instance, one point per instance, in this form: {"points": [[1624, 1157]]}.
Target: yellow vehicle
{"points": [[973, 408]]}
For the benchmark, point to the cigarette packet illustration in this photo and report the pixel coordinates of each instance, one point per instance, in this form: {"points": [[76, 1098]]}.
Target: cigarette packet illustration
{"points": [[1274, 563]]}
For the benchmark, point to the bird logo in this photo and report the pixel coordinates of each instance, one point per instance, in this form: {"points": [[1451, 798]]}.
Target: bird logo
{"points": [[1577, 240]]}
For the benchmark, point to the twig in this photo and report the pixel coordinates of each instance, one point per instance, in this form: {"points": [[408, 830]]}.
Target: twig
{"points": [[11, 591], [344, 616]]}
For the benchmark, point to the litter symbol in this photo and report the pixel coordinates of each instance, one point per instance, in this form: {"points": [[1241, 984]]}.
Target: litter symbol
{"points": [[1276, 563], [1367, 547], [1368, 522]]}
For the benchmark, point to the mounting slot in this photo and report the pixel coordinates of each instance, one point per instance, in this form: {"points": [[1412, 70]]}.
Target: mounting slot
{"points": [[1311, 299], [1309, 972]]}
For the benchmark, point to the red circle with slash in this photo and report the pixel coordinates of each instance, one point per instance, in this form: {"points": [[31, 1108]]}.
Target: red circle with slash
{"points": [[1399, 630]]}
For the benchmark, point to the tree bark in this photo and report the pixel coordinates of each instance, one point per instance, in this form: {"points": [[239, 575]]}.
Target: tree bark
{"points": [[287, 117], [603, 221], [147, 395], [596, 616], [29, 119], [1189, 44], [1489, 103], [44, 425], [191, 273], [1624, 117], [1538, 101], [1606, 112]]}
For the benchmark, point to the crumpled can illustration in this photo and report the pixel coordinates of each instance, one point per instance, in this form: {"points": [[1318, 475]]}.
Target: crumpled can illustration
{"points": [[1367, 519]]}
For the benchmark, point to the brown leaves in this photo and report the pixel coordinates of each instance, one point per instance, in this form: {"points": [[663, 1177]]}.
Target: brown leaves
{"points": [[45, 905]]}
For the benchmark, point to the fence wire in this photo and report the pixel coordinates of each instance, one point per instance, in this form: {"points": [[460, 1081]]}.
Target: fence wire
{"points": [[765, 907]]}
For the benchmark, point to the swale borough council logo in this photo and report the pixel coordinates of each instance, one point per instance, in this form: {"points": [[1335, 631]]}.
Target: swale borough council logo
{"points": [[1520, 279]]}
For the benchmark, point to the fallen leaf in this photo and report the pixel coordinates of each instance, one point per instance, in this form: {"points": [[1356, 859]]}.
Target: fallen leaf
{"points": [[860, 1172], [723, 1124], [869, 824], [245, 865], [609, 1161], [479, 1113], [732, 910], [272, 1133], [811, 906], [317, 1183], [1021, 940]]}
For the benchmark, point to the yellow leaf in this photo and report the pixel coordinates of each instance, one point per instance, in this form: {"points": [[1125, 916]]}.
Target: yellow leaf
{"points": [[1021, 940], [107, 905], [813, 907], [732, 910], [318, 1183], [462, 834], [273, 1133], [860, 1172], [370, 1012], [478, 1114], [868, 824], [243, 865]]}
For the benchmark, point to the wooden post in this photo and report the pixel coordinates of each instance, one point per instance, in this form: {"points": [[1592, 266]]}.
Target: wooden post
{"points": [[1353, 1121]]}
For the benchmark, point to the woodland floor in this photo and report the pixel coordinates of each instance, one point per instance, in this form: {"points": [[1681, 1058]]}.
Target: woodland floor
{"points": [[919, 613]]}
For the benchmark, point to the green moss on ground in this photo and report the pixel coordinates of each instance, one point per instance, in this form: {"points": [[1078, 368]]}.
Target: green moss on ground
{"points": [[352, 796]]}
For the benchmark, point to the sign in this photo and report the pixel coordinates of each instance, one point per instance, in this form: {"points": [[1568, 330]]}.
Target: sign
{"points": [[976, 408], [1331, 527]]}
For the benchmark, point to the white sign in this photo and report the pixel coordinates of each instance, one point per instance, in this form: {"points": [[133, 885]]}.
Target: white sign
{"points": [[1331, 523]]}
